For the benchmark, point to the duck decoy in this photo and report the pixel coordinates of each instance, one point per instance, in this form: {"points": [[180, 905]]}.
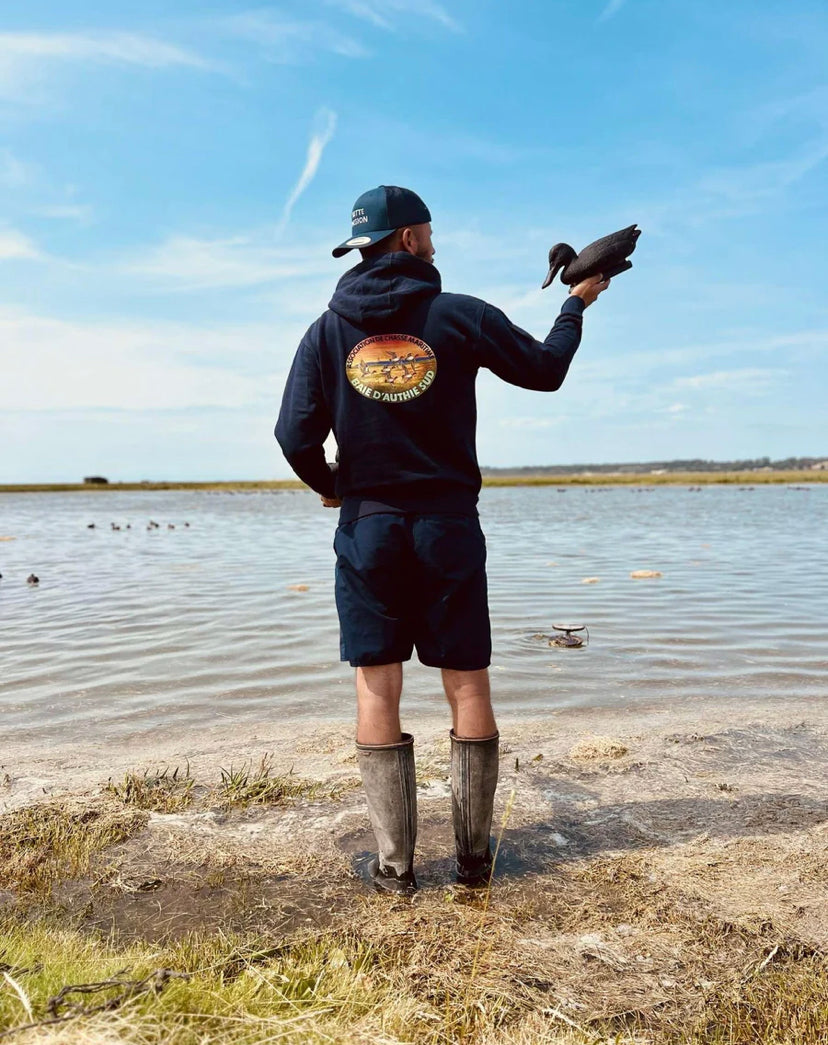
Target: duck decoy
{"points": [[605, 257]]}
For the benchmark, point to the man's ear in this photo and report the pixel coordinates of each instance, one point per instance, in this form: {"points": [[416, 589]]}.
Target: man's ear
{"points": [[408, 240]]}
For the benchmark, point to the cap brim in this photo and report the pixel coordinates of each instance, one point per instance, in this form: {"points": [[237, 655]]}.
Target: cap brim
{"points": [[367, 239]]}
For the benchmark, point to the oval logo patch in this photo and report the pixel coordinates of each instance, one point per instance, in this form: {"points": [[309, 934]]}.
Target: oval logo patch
{"points": [[391, 368]]}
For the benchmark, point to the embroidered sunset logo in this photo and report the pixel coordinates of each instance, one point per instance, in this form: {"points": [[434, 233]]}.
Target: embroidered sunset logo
{"points": [[391, 368]]}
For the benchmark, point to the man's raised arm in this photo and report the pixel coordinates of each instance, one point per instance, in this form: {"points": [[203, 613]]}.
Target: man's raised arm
{"points": [[516, 357]]}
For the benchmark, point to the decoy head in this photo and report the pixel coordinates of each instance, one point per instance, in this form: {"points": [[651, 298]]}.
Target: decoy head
{"points": [[559, 257]]}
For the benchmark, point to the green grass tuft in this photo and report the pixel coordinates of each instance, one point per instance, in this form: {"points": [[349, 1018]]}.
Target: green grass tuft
{"points": [[159, 791]]}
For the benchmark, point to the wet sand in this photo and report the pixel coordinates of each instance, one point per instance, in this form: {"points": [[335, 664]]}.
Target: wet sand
{"points": [[706, 792], [647, 854]]}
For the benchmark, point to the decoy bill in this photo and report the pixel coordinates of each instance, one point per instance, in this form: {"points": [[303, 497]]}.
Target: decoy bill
{"points": [[605, 257]]}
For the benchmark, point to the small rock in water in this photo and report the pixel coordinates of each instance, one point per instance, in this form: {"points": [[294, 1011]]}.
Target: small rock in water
{"points": [[590, 580], [640, 574], [32, 579]]}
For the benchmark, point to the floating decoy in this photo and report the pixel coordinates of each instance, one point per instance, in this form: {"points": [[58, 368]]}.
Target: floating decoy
{"points": [[605, 257], [566, 636], [32, 579]]}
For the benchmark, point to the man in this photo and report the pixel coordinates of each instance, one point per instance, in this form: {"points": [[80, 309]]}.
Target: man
{"points": [[391, 368]]}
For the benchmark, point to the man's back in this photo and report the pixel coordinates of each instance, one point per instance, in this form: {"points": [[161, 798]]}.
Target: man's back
{"points": [[391, 368]]}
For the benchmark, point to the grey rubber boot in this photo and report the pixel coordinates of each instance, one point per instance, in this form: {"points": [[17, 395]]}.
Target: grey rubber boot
{"points": [[474, 765], [391, 791]]}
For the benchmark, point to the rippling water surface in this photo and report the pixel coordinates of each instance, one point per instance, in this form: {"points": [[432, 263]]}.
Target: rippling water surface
{"points": [[138, 629]]}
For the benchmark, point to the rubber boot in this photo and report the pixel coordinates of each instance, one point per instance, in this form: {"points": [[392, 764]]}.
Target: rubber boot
{"points": [[391, 791], [474, 765]]}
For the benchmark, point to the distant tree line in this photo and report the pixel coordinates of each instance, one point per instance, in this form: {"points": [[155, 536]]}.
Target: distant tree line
{"points": [[696, 464]]}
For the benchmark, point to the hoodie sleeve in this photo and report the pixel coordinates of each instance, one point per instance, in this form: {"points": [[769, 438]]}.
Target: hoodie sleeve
{"points": [[518, 358], [304, 423]]}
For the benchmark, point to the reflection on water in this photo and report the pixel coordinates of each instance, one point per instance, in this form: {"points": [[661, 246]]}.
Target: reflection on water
{"points": [[136, 629]]}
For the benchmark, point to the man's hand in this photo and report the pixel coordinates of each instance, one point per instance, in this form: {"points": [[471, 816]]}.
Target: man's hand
{"points": [[330, 502], [589, 289]]}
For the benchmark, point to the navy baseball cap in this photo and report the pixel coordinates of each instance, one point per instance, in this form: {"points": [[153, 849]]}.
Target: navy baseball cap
{"points": [[379, 212]]}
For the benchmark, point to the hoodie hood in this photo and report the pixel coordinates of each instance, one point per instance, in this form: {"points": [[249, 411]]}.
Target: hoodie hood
{"points": [[380, 289]]}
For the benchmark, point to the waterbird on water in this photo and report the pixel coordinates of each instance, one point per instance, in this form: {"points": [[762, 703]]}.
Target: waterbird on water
{"points": [[32, 579], [606, 257]]}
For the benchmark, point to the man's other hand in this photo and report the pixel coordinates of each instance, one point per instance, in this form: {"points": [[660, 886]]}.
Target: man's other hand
{"points": [[330, 502], [589, 289]]}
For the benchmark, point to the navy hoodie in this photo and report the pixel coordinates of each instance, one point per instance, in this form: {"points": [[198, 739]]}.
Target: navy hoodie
{"points": [[391, 369]]}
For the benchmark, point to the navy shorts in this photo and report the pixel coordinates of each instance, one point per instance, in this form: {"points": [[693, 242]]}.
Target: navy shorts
{"points": [[406, 581]]}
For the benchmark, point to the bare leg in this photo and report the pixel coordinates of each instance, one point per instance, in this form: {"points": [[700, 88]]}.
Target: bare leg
{"points": [[378, 704], [470, 698]]}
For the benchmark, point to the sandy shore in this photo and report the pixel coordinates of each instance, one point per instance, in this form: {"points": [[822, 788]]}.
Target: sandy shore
{"points": [[653, 861], [731, 799]]}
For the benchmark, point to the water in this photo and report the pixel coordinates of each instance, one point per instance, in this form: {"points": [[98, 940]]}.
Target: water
{"points": [[175, 629]]}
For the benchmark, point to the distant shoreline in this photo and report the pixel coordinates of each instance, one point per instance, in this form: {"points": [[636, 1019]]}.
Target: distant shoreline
{"points": [[744, 478]]}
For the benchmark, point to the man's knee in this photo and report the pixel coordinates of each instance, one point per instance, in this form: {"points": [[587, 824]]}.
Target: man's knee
{"points": [[464, 686]]}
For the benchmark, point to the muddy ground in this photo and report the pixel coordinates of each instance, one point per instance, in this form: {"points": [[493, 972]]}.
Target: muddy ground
{"points": [[647, 854]]}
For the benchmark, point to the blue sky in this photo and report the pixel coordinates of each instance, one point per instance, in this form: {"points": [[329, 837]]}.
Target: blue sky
{"points": [[173, 177]]}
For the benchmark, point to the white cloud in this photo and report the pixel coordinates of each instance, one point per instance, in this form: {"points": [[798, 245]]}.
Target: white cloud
{"points": [[188, 263], [81, 212], [54, 364], [128, 48], [380, 12], [14, 174], [533, 422], [744, 186], [749, 379], [23, 56], [14, 245], [325, 127], [612, 8], [290, 41]]}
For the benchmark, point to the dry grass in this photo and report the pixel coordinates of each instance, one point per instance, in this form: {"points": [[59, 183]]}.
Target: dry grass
{"points": [[664, 945], [440, 972], [597, 749], [173, 790], [53, 842], [582, 479], [45, 844]]}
